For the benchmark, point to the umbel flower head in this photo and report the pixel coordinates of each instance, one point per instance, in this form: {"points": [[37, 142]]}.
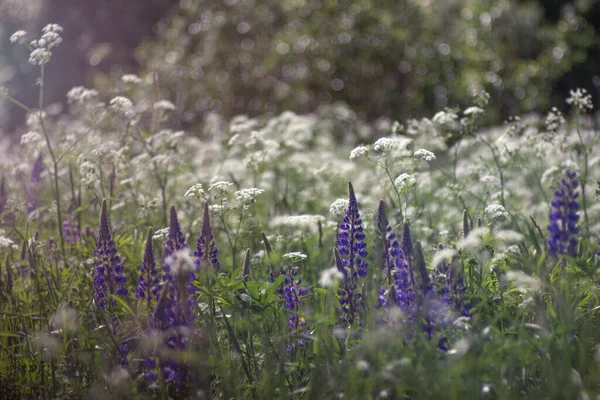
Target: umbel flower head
{"points": [[108, 273], [563, 229], [206, 249]]}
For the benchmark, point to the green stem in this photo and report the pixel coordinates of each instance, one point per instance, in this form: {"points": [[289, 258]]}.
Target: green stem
{"points": [[584, 176]]}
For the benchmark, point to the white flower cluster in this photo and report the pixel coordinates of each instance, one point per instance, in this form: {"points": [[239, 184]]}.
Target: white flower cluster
{"points": [[554, 119], [405, 182], [248, 196], [330, 276], [339, 207], [123, 106], [81, 95], [161, 234], [305, 221], [425, 155], [495, 212], [358, 152], [384, 144], [473, 112], [131, 79], [40, 53], [580, 99], [294, 257], [197, 190], [446, 119], [222, 186], [164, 105], [18, 37]]}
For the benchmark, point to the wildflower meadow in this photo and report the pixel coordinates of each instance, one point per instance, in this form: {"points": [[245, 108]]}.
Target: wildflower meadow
{"points": [[284, 255]]}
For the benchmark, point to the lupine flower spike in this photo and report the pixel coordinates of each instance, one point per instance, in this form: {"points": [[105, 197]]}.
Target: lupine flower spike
{"points": [[350, 259], [35, 179], [206, 249], [564, 217], [108, 274], [148, 278]]}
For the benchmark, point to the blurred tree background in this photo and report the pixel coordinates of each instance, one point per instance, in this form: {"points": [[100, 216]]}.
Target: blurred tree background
{"points": [[393, 58]]}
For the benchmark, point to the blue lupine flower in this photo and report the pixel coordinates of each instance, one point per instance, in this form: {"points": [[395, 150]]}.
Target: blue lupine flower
{"points": [[351, 252], [108, 273], [407, 244], [35, 179], [292, 293], [71, 231], [206, 249], [148, 278], [390, 249], [564, 217]]}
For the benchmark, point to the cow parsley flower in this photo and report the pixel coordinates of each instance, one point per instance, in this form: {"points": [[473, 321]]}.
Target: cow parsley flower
{"points": [[81, 95], [554, 119], [358, 152], [131, 79], [123, 106], [164, 105], [248, 196], [495, 213], [338, 207], [329, 276], [424, 155], [197, 190], [405, 182], [39, 56], [294, 257], [473, 112], [18, 37], [580, 99], [384, 144]]}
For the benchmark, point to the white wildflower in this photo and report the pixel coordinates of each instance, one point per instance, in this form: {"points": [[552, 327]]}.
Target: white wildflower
{"points": [[39, 56], [425, 155], [554, 119], [132, 79], [475, 238], [196, 190], [31, 137], [181, 262], [52, 28], [443, 255], [446, 119], [81, 95], [339, 207], [65, 318], [122, 105], [3, 91], [508, 236], [248, 196], [6, 243], [329, 276], [294, 257], [50, 40], [304, 221], [384, 144], [222, 186], [358, 152], [523, 282], [18, 37], [405, 182], [161, 234], [473, 111], [495, 213], [164, 105], [580, 99]]}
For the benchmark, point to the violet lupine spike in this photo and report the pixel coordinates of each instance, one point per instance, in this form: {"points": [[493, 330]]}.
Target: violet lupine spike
{"points": [[71, 231], [452, 287], [148, 278], [175, 242], [598, 252], [35, 179], [390, 249], [563, 229], [350, 259], [108, 273], [292, 294], [3, 194], [407, 242], [172, 317], [206, 249]]}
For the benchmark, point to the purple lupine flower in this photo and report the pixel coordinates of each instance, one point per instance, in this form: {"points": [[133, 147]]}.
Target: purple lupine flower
{"points": [[206, 249], [564, 217], [404, 294], [351, 253], [108, 273], [3, 194], [407, 244], [173, 318], [351, 240], [451, 287], [71, 231], [598, 252], [292, 293], [390, 248], [175, 242], [148, 278], [35, 179]]}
